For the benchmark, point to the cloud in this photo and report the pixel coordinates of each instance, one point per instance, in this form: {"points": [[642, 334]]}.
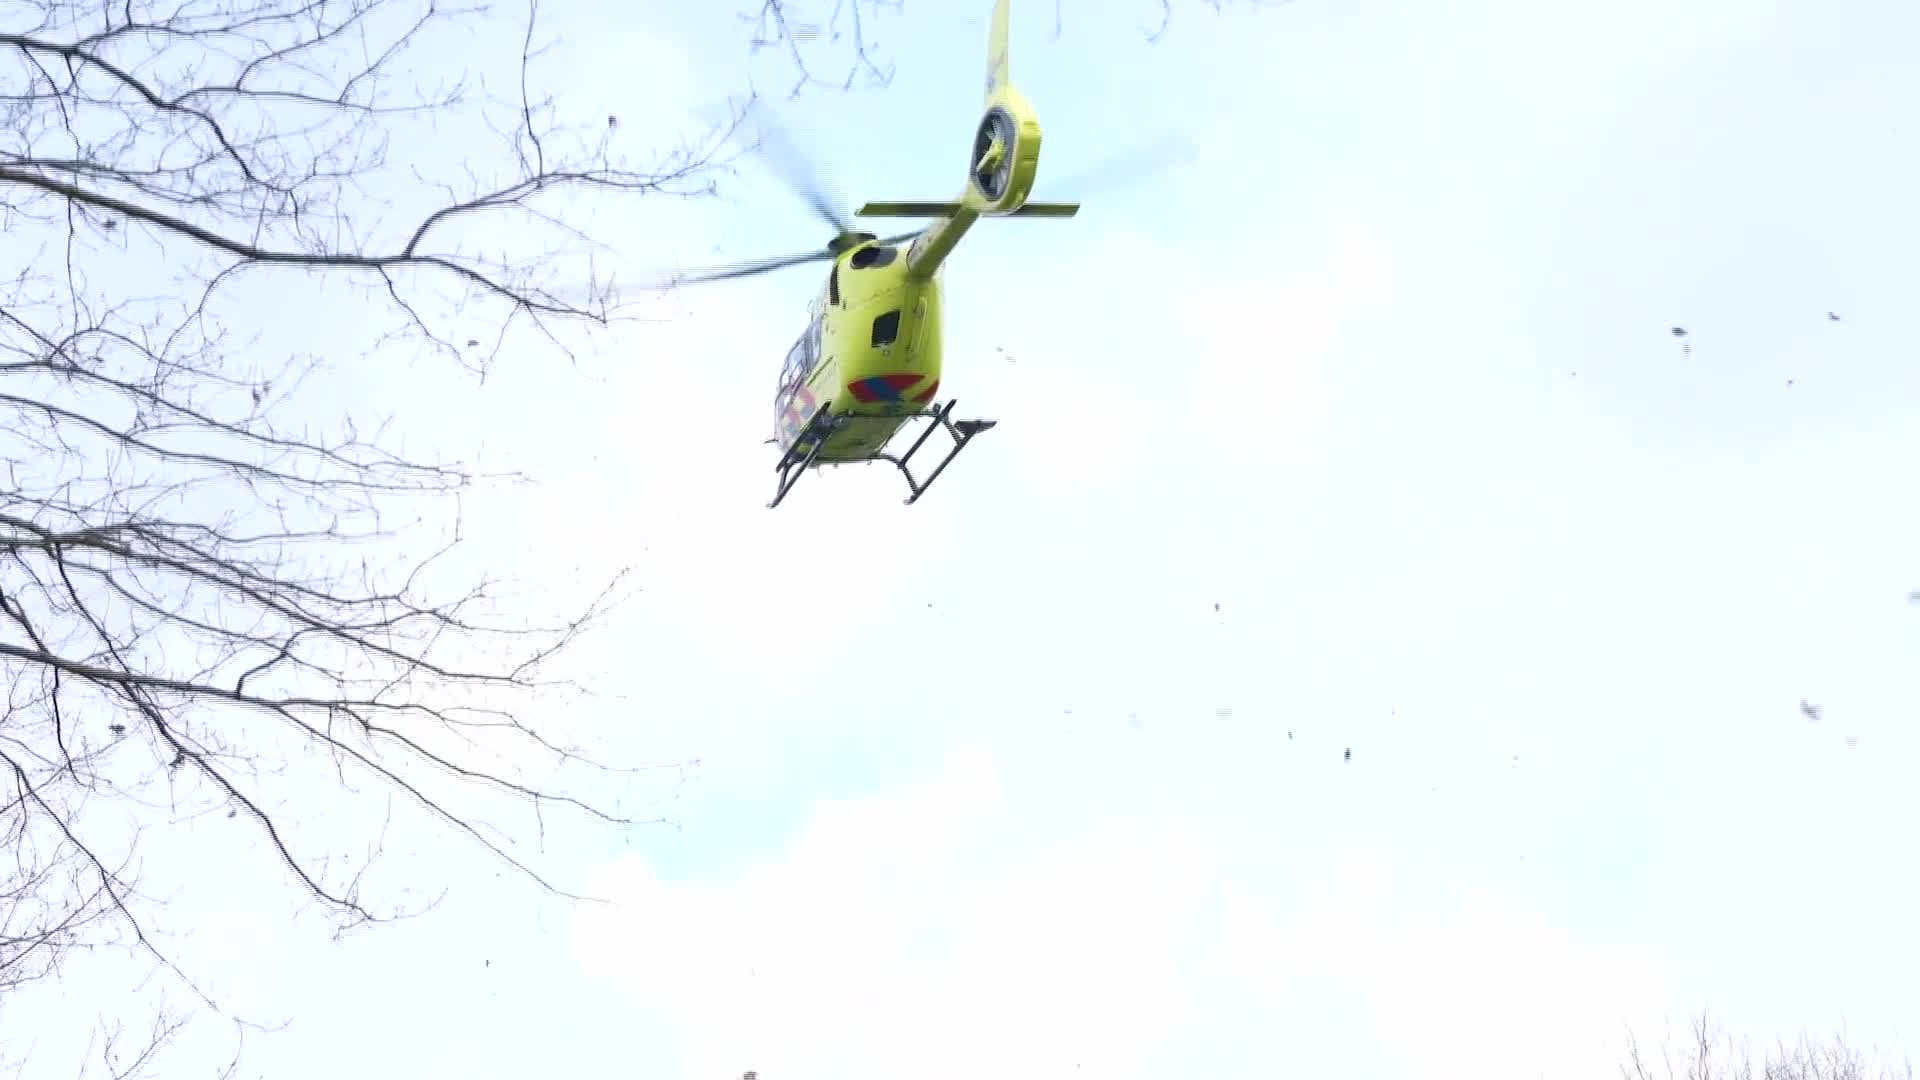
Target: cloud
{"points": [[1261, 350], [1465, 982], [932, 931], [863, 951]]}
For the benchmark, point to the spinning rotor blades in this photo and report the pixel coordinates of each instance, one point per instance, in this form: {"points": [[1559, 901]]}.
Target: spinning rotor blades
{"points": [[797, 170], [746, 269], [1134, 165], [765, 266]]}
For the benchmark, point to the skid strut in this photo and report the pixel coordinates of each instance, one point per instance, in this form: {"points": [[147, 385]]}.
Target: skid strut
{"points": [[804, 454], [962, 431]]}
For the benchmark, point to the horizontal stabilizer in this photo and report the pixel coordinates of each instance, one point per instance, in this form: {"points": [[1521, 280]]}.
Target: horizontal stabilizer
{"points": [[948, 209], [1047, 209], [908, 209]]}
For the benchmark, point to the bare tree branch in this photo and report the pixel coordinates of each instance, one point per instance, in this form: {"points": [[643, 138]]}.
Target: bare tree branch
{"points": [[203, 608], [793, 26], [1166, 12], [1706, 1053], [800, 28]]}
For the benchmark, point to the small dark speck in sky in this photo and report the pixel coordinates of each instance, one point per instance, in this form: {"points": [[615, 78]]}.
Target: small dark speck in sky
{"points": [[1831, 317], [1349, 756], [1812, 712]]}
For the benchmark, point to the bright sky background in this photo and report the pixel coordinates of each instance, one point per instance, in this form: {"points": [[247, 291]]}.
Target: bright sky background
{"points": [[1362, 429]]}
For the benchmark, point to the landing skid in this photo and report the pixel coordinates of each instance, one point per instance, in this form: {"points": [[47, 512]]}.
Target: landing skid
{"points": [[804, 454]]}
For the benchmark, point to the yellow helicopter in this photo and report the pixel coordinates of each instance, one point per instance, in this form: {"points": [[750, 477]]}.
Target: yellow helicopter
{"points": [[868, 363]]}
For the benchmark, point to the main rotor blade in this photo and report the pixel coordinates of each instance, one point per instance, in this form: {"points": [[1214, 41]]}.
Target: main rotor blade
{"points": [[765, 266], [798, 170], [1128, 167], [746, 269], [755, 267]]}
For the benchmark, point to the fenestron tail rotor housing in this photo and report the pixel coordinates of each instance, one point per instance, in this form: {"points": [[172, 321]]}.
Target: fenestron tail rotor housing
{"points": [[1005, 155], [993, 158]]}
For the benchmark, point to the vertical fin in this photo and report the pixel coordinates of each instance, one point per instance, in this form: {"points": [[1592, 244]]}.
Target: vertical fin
{"points": [[997, 51], [937, 242]]}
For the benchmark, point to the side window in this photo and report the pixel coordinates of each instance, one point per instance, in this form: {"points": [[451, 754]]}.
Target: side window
{"points": [[802, 358], [796, 367]]}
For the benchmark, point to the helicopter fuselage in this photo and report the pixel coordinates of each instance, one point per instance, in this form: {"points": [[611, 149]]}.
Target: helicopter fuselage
{"points": [[869, 361], [869, 358]]}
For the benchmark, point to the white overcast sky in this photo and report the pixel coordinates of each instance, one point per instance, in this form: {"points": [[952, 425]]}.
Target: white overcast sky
{"points": [[1362, 429]]}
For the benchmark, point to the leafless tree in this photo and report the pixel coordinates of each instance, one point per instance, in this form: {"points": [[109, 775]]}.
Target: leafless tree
{"points": [[1705, 1053], [204, 608]]}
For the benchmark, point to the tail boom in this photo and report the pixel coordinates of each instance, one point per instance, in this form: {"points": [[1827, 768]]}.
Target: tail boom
{"points": [[934, 245]]}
